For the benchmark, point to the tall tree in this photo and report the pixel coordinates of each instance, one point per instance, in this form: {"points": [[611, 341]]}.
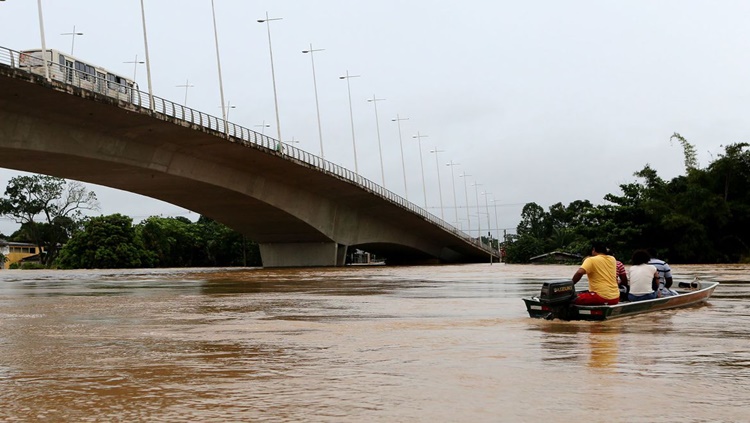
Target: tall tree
{"points": [[47, 208], [691, 158]]}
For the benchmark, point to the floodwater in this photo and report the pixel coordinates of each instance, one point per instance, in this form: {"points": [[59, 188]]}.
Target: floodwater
{"points": [[359, 344]]}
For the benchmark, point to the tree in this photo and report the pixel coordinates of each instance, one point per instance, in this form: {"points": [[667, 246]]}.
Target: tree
{"points": [[226, 247], [691, 158], [47, 209], [106, 242], [173, 242], [178, 242]]}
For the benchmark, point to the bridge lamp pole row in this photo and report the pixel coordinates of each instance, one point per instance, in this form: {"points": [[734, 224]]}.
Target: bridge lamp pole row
{"points": [[351, 116], [267, 21], [419, 137], [312, 51], [440, 188], [401, 144], [73, 35], [374, 100]]}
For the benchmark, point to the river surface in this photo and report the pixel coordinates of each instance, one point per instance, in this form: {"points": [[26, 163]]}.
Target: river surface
{"points": [[359, 344]]}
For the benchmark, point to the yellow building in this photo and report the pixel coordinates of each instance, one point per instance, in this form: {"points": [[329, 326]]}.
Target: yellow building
{"points": [[14, 252]]}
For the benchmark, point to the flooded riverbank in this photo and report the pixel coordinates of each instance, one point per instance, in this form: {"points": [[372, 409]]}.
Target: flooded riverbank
{"points": [[431, 343]]}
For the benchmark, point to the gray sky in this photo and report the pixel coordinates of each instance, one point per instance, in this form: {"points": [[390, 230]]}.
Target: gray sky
{"points": [[544, 101]]}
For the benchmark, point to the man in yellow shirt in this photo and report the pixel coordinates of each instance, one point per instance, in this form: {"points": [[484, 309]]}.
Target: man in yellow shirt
{"points": [[601, 270]]}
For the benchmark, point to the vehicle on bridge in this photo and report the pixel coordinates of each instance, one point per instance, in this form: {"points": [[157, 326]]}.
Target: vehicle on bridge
{"points": [[68, 69]]}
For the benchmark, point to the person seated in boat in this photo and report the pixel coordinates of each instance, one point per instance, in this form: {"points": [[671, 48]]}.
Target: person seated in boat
{"points": [[665, 274], [601, 270], [644, 278], [622, 281]]}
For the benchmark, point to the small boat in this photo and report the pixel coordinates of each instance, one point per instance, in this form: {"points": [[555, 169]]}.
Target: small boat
{"points": [[554, 302]]}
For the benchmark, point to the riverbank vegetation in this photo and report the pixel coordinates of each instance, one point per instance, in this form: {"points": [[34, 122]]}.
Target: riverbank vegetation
{"points": [[50, 211], [702, 216]]}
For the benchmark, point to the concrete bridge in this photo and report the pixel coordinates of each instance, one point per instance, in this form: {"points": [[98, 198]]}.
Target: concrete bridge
{"points": [[300, 209]]}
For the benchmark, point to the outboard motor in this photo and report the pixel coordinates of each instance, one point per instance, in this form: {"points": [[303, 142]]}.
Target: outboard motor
{"points": [[557, 296]]}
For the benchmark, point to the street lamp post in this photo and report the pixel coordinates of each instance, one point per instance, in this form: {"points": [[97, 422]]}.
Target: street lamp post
{"points": [[263, 127], [148, 61], [497, 223], [312, 51], [401, 144], [218, 64], [292, 141], [451, 164], [351, 116], [267, 21], [479, 218], [487, 209], [135, 63], [464, 175], [186, 85], [374, 101], [227, 107], [421, 165], [440, 188], [73, 35], [44, 43]]}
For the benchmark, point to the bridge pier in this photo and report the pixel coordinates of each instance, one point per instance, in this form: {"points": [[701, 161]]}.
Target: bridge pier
{"points": [[303, 254]]}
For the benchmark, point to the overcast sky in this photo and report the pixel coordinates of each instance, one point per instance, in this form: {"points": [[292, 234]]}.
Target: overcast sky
{"points": [[539, 101]]}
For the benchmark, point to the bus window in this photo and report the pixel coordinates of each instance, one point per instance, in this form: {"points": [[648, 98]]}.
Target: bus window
{"points": [[85, 71]]}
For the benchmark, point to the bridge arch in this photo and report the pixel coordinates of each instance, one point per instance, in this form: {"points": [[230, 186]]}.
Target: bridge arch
{"points": [[302, 211]]}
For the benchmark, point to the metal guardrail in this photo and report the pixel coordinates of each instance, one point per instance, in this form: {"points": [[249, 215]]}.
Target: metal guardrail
{"points": [[95, 83]]}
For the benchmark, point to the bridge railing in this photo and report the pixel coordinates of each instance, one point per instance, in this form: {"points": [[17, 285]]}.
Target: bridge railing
{"points": [[130, 94]]}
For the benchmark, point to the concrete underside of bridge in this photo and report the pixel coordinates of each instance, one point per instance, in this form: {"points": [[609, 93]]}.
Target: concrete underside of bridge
{"points": [[299, 215]]}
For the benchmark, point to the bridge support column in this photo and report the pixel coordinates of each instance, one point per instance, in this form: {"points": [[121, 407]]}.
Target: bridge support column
{"points": [[304, 254]]}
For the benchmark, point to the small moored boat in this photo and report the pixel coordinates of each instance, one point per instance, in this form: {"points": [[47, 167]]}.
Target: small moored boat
{"points": [[554, 302]]}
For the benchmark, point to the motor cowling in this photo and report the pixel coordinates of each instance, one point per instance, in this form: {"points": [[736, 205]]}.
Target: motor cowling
{"points": [[557, 292]]}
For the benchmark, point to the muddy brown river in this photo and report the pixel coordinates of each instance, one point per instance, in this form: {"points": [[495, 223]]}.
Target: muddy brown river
{"points": [[359, 344]]}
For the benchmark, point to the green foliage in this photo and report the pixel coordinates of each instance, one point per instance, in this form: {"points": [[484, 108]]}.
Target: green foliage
{"points": [[177, 242], [48, 209], [114, 242], [702, 217], [106, 242], [691, 158], [27, 266]]}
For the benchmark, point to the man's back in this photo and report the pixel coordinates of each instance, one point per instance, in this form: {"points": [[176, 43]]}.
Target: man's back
{"points": [[663, 268], [601, 271]]}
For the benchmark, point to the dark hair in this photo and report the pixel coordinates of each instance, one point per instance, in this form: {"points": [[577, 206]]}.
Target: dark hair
{"points": [[600, 247], [652, 252], [640, 257]]}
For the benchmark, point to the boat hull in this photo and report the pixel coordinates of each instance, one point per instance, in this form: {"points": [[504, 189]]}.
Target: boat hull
{"points": [[685, 298]]}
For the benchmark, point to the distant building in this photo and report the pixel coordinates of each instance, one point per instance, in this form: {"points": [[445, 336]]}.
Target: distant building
{"points": [[556, 257], [17, 252]]}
